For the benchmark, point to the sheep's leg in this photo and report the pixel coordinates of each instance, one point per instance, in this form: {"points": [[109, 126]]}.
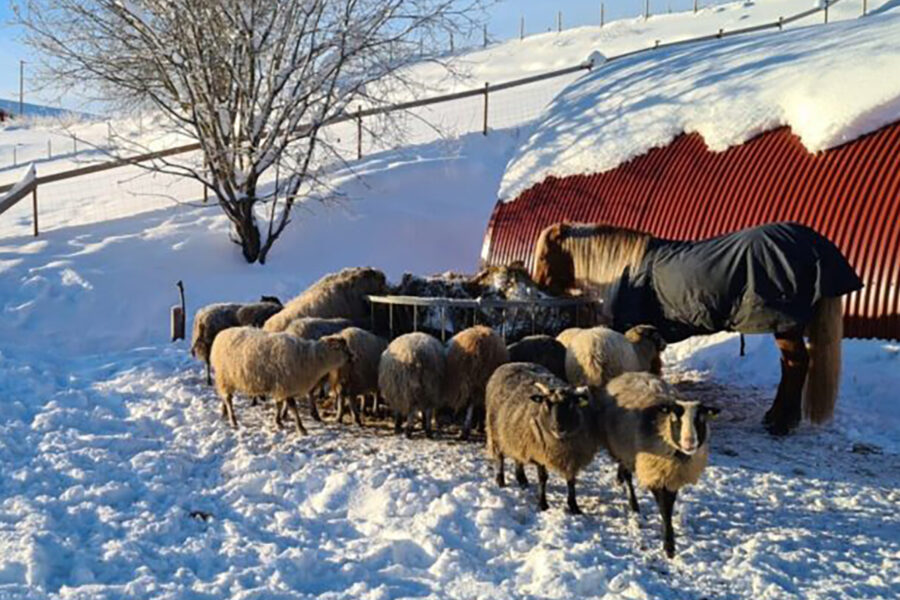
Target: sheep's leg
{"points": [[398, 422], [521, 478], [313, 409], [255, 400], [542, 487], [340, 410], [280, 405], [426, 422], [501, 473], [467, 424], [356, 408], [230, 408], [410, 422], [224, 409], [292, 404], [570, 498], [624, 476], [208, 374], [666, 501]]}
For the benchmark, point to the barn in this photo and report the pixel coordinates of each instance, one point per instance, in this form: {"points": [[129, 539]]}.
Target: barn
{"points": [[825, 170]]}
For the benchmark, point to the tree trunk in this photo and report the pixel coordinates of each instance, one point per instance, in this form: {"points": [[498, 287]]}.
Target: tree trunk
{"points": [[248, 232]]}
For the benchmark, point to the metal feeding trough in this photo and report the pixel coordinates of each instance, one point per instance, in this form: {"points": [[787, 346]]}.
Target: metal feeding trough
{"points": [[479, 305]]}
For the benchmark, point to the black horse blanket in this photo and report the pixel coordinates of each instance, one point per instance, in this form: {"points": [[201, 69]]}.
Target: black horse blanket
{"points": [[761, 279]]}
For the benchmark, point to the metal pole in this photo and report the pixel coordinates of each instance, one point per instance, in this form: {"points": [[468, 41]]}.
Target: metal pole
{"points": [[49, 150], [602, 14], [74, 144], [443, 324], [484, 33], [780, 23], [826, 11], [522, 27], [359, 132], [695, 6], [646, 9], [486, 88], [21, 88], [15, 156], [559, 22], [34, 209], [865, 7], [451, 41]]}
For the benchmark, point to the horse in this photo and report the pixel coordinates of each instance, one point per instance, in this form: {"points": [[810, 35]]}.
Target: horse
{"points": [[780, 278]]}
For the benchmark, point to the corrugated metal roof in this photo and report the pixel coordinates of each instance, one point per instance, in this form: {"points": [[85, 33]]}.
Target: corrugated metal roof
{"points": [[851, 194]]}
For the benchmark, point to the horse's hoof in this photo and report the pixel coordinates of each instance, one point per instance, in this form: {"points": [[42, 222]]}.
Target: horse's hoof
{"points": [[778, 429]]}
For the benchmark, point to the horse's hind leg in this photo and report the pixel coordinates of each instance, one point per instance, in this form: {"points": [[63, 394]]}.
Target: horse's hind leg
{"points": [[786, 409]]}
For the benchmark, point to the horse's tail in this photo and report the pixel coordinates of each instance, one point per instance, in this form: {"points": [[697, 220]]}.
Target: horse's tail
{"points": [[825, 332]]}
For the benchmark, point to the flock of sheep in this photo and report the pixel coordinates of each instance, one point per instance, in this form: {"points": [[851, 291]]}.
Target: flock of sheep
{"points": [[550, 402]]}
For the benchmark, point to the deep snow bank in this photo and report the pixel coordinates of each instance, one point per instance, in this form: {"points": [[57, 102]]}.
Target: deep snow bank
{"points": [[829, 83]]}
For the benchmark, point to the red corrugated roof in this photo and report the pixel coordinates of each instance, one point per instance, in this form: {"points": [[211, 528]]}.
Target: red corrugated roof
{"points": [[850, 194]]}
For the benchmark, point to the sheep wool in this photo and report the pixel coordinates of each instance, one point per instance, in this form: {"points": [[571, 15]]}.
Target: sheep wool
{"points": [[341, 294], [410, 377], [277, 365]]}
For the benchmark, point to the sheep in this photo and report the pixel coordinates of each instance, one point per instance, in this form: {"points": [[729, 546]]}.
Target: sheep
{"points": [[410, 377], [472, 356], [567, 335], [543, 350], [313, 328], [341, 294], [535, 417], [658, 436], [355, 380], [213, 318], [594, 356], [277, 365]]}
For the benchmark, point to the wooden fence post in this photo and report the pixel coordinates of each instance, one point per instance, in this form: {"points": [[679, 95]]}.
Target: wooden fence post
{"points": [[34, 208], [865, 7], [695, 6], [451, 42], [559, 22], [359, 131], [646, 9], [602, 15], [780, 23], [484, 33], [522, 27], [486, 91], [826, 11]]}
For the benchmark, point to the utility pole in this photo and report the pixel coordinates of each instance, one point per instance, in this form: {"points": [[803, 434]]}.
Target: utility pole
{"points": [[21, 88]]}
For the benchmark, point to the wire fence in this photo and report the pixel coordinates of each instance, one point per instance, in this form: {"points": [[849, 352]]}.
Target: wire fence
{"points": [[118, 188]]}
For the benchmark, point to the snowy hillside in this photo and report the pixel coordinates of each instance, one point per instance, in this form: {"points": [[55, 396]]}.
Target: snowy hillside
{"points": [[118, 478]]}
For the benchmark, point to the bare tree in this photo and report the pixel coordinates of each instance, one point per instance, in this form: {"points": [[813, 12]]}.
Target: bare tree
{"points": [[253, 81]]}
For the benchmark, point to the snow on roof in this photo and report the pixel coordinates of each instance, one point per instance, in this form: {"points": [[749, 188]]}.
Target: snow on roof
{"points": [[829, 83]]}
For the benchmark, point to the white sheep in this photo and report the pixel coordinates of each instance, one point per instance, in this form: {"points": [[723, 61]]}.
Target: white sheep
{"points": [[535, 417], [472, 356], [566, 336], [276, 365], [658, 436], [594, 356], [410, 377]]}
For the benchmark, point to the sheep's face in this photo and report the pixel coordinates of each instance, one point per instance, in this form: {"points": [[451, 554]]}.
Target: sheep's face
{"points": [[640, 333], [683, 424], [562, 410]]}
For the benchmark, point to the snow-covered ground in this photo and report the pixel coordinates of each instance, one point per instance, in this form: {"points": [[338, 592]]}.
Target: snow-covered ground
{"points": [[118, 479]]}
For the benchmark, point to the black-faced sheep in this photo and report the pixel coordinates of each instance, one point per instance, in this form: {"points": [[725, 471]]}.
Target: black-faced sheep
{"points": [[341, 294], [410, 377], [354, 380], [276, 365], [213, 318], [535, 417], [658, 436], [594, 356], [472, 356], [540, 349]]}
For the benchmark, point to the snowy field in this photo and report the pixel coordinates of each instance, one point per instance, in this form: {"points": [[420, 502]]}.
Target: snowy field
{"points": [[118, 479]]}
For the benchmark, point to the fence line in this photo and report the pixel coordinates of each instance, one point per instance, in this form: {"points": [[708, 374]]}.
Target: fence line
{"points": [[360, 113]]}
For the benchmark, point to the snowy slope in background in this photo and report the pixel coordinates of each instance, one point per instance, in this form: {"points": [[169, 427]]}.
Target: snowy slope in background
{"points": [[829, 83]]}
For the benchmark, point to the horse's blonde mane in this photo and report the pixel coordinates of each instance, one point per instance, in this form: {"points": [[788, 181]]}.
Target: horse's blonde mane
{"points": [[601, 254]]}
